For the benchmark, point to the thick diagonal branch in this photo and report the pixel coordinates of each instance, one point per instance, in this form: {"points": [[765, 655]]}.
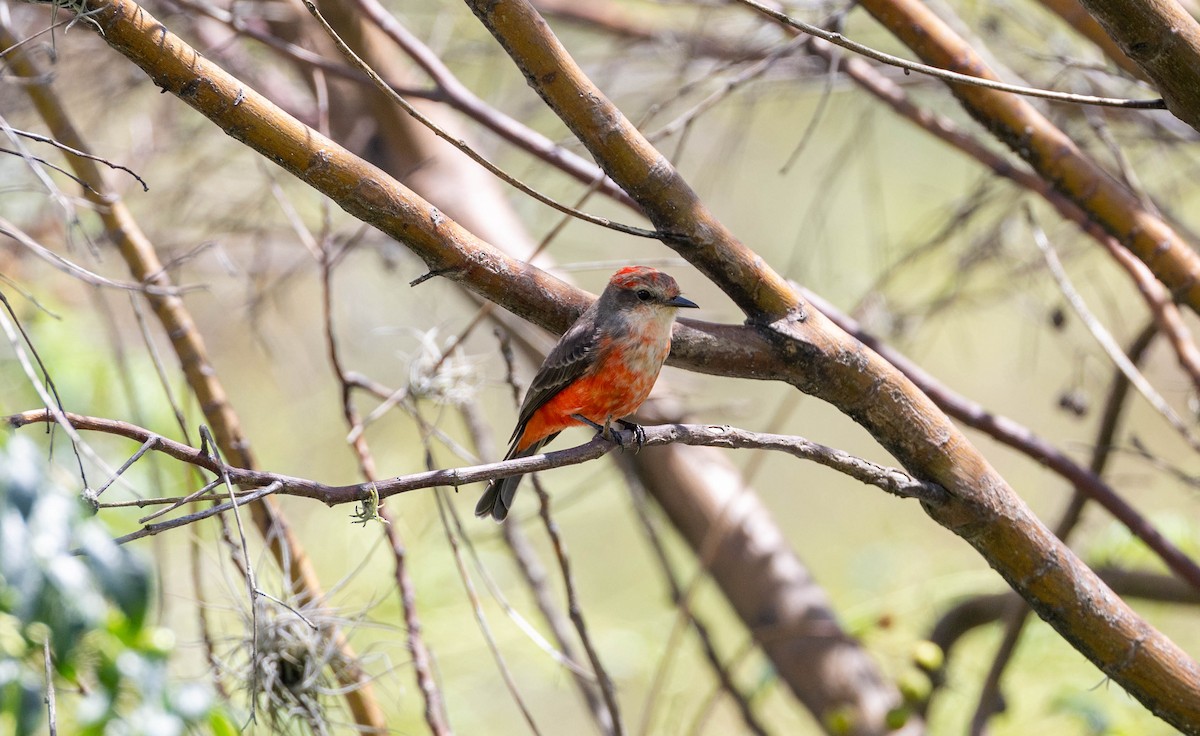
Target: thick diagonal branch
{"points": [[1164, 41], [143, 262], [830, 364], [790, 343], [1056, 158]]}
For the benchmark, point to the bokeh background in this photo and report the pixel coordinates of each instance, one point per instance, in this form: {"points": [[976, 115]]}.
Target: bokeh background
{"points": [[930, 250]]}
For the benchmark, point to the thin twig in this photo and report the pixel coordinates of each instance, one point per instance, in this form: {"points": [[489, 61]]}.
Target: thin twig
{"points": [[45, 388], [76, 152], [150, 530], [536, 577], [51, 707], [79, 272], [727, 87], [458, 96], [559, 657], [434, 709], [164, 500], [575, 612], [199, 495], [1016, 612], [470, 152], [731, 516], [160, 367], [288, 606], [251, 585], [55, 167], [944, 74], [486, 630], [891, 480], [703, 716], [48, 29], [295, 52], [1114, 352], [62, 200], [724, 677], [1165, 311], [146, 447]]}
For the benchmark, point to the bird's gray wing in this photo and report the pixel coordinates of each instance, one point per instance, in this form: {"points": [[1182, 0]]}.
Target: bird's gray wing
{"points": [[570, 359]]}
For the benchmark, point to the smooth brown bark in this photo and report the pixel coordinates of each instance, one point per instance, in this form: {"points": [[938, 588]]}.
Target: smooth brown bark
{"points": [[1051, 153], [1075, 15], [1164, 40], [830, 364], [788, 341], [143, 262]]}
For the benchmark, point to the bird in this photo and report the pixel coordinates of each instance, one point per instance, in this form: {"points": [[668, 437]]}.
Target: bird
{"points": [[601, 370]]}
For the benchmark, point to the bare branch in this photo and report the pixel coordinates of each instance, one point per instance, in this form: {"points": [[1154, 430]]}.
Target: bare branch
{"points": [[467, 150], [945, 74], [1047, 149], [981, 508], [1114, 352], [83, 154], [144, 264], [891, 480], [785, 340], [1164, 40], [1020, 437], [575, 612]]}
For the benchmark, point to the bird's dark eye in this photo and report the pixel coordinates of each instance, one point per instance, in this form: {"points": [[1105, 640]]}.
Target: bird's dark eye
{"points": [[644, 295]]}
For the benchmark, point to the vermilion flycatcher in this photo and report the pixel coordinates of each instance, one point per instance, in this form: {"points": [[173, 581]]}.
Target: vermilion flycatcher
{"points": [[601, 370]]}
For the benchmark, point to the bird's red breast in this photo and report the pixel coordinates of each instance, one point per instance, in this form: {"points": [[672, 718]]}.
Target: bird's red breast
{"points": [[626, 367]]}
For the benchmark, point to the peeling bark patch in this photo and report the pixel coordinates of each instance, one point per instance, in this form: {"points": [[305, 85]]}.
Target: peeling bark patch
{"points": [[855, 359], [1140, 50], [316, 164], [941, 436], [1130, 657], [189, 89], [373, 196], [1043, 568]]}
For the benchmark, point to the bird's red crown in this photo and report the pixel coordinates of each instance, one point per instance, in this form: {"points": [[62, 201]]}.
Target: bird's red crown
{"points": [[632, 277]]}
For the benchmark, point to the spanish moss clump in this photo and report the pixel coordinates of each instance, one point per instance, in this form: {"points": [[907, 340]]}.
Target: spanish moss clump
{"points": [[294, 669], [444, 375]]}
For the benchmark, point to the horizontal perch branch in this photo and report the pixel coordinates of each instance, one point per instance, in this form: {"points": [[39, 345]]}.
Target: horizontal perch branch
{"points": [[892, 480]]}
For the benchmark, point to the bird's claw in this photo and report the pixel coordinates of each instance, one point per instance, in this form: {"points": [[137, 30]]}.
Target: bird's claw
{"points": [[631, 436], [638, 438]]}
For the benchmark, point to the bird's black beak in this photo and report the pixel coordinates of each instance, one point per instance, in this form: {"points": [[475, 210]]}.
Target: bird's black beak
{"points": [[681, 301]]}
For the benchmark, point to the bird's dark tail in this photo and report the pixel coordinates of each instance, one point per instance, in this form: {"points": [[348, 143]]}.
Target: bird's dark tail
{"points": [[497, 498]]}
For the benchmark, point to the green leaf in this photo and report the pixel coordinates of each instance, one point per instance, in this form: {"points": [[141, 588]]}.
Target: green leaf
{"points": [[21, 478], [70, 606], [22, 579], [220, 724], [120, 574]]}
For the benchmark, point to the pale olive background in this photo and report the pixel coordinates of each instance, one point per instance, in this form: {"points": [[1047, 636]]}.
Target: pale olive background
{"points": [[867, 189]]}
